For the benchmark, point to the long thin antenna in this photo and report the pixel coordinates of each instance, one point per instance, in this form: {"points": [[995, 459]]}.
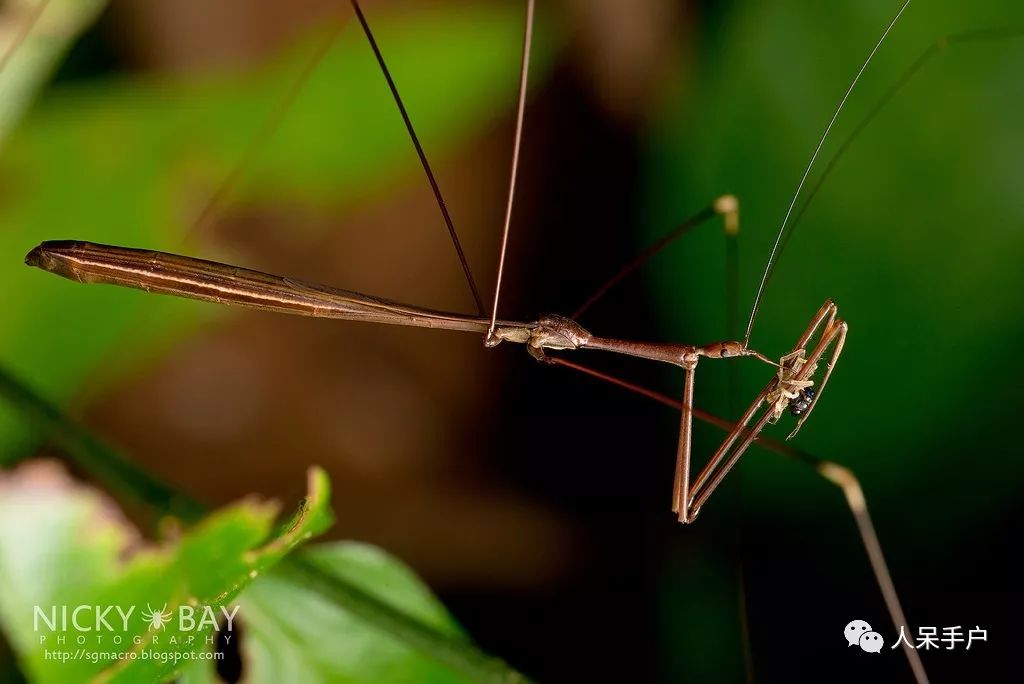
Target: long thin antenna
{"points": [[524, 73], [936, 47], [803, 179], [423, 159]]}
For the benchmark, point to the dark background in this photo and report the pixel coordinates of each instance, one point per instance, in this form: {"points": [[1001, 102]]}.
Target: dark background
{"points": [[533, 500]]}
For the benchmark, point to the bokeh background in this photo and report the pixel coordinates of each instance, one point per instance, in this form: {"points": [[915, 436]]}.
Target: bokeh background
{"points": [[533, 500]]}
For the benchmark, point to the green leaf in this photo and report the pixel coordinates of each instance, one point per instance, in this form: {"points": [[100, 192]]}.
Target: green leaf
{"points": [[63, 546], [416, 625], [291, 634]]}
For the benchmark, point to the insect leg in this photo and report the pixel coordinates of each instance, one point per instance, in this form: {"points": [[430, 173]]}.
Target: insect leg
{"points": [[524, 75], [681, 485], [729, 453], [836, 474], [456, 243], [726, 206]]}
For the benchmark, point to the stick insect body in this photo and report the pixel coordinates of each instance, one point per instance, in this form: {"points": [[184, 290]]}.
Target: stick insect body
{"points": [[211, 281]]}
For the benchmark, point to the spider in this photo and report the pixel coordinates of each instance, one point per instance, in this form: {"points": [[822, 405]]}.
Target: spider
{"points": [[156, 618], [790, 392]]}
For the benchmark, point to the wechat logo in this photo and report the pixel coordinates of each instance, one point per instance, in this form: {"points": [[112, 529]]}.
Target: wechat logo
{"points": [[859, 633]]}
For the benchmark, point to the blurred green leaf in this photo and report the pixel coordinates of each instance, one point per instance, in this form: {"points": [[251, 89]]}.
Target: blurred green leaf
{"points": [[365, 586], [64, 546]]}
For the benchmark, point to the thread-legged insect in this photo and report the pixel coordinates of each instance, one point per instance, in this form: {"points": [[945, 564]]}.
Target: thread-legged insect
{"points": [[550, 333], [198, 279]]}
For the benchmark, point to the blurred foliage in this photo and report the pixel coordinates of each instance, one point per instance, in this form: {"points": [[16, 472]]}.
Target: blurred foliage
{"points": [[62, 545], [35, 36], [916, 235], [132, 161], [393, 625]]}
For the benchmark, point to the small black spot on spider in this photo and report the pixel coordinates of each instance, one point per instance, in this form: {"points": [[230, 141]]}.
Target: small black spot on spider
{"points": [[802, 403]]}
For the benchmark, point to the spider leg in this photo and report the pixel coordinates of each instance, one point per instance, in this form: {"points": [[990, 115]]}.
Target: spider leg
{"points": [[834, 336]]}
